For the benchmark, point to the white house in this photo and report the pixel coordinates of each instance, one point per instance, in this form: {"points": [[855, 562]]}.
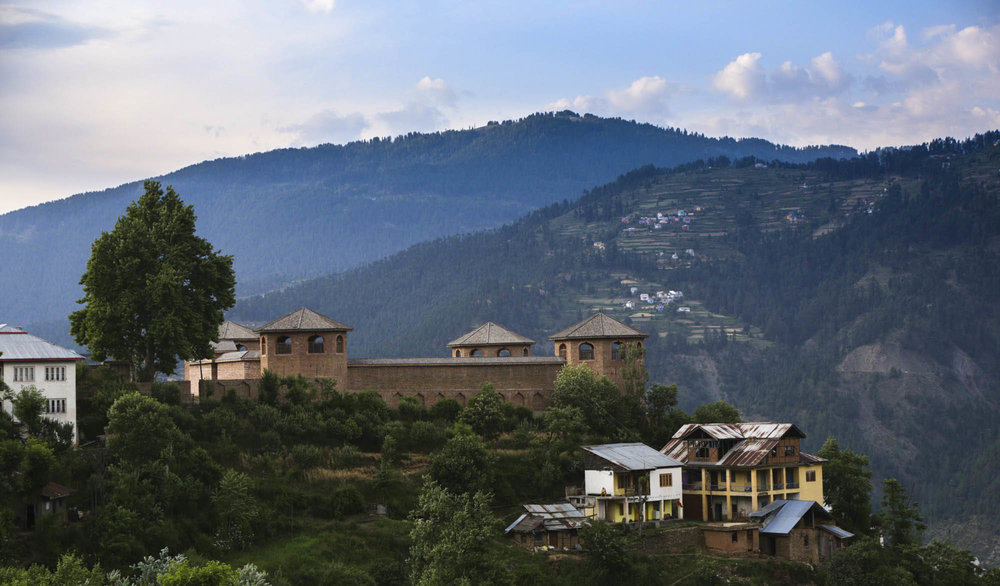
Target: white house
{"points": [[632, 482], [29, 360]]}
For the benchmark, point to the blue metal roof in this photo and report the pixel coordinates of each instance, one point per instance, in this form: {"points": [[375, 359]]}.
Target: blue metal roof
{"points": [[784, 515], [838, 531]]}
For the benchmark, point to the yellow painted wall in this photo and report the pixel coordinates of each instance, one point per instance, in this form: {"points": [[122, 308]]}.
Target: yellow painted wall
{"points": [[811, 491]]}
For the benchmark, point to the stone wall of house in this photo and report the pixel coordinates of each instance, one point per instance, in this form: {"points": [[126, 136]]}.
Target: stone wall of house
{"points": [[683, 540], [722, 539], [327, 364], [521, 384], [803, 544]]}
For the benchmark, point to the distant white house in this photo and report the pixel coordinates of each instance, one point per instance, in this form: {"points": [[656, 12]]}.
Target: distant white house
{"points": [[684, 309], [27, 360], [644, 297], [631, 482]]}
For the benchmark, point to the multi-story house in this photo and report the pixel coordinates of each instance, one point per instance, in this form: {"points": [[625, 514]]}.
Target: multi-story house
{"points": [[734, 469], [629, 482], [27, 360]]}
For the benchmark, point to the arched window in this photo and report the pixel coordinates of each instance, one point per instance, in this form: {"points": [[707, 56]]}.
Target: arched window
{"points": [[562, 351], [476, 352], [283, 345], [586, 351], [617, 351], [263, 345], [241, 348], [524, 352], [503, 353], [316, 345], [340, 344], [458, 353]]}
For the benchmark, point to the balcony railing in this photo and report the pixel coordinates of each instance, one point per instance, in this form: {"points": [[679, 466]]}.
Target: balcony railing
{"points": [[762, 488], [717, 487], [734, 487], [692, 486], [791, 485]]}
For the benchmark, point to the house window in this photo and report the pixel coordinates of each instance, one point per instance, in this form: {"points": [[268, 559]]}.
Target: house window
{"points": [[805, 539], [586, 351], [55, 373], [263, 345], [562, 351], [56, 406], [666, 480], [789, 450], [316, 345], [458, 353], [283, 345], [476, 352], [810, 476], [735, 537], [524, 351], [340, 344], [616, 351], [24, 374], [503, 353], [241, 348], [701, 452]]}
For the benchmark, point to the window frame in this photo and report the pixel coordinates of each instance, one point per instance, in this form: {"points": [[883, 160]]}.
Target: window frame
{"points": [[283, 348]]}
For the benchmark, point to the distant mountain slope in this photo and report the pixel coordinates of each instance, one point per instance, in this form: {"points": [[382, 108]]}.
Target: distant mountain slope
{"points": [[857, 298], [294, 213]]}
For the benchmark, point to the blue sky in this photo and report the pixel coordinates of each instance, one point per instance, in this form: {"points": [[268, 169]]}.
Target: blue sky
{"points": [[94, 94]]}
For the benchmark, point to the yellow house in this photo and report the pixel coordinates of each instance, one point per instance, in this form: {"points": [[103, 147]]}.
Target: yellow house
{"points": [[734, 469]]}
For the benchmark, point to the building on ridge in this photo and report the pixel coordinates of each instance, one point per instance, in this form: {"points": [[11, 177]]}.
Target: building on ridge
{"points": [[27, 360], [315, 346], [600, 342], [734, 469]]}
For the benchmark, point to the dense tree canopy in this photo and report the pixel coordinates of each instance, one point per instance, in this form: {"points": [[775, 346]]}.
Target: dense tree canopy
{"points": [[153, 291], [847, 486]]}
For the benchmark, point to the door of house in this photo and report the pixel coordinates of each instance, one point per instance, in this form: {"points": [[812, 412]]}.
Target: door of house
{"points": [[718, 512]]}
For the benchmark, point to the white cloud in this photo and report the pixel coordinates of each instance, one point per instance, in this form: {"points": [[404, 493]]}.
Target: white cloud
{"points": [[743, 78], [746, 79], [328, 127], [436, 90], [647, 96], [317, 6]]}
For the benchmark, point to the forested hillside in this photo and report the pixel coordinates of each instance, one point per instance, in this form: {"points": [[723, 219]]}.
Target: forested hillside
{"points": [[856, 298], [295, 213]]}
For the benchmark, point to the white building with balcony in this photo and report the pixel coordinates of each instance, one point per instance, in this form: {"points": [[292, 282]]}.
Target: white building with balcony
{"points": [[27, 360], [630, 482]]}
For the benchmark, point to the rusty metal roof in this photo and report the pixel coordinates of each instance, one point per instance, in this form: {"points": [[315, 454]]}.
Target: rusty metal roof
{"points": [[633, 456], [554, 517], [54, 491], [755, 440]]}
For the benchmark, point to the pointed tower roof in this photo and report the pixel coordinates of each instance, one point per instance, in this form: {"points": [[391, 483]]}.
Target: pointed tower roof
{"points": [[598, 326], [304, 320], [230, 330], [490, 334]]}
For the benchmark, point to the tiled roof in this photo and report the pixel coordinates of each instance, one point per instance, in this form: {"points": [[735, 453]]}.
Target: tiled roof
{"points": [[304, 320], [16, 344], [598, 326], [230, 330], [53, 491], [490, 334], [632, 456]]}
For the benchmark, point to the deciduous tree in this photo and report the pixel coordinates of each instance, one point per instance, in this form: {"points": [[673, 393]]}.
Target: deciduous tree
{"points": [[153, 290], [847, 486]]}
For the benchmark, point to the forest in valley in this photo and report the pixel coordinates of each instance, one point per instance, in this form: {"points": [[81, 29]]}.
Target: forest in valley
{"points": [[291, 214]]}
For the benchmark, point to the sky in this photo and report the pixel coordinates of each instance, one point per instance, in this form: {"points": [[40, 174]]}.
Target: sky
{"points": [[98, 93]]}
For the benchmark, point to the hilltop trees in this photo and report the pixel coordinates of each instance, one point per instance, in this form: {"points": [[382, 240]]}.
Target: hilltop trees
{"points": [[153, 291], [847, 486]]}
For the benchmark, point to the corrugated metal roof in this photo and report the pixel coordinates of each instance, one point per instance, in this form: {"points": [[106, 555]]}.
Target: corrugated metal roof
{"points": [[490, 334], [747, 430], [304, 320], [598, 326], [632, 456], [53, 491], [16, 344], [781, 516], [837, 531], [554, 517], [758, 439]]}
